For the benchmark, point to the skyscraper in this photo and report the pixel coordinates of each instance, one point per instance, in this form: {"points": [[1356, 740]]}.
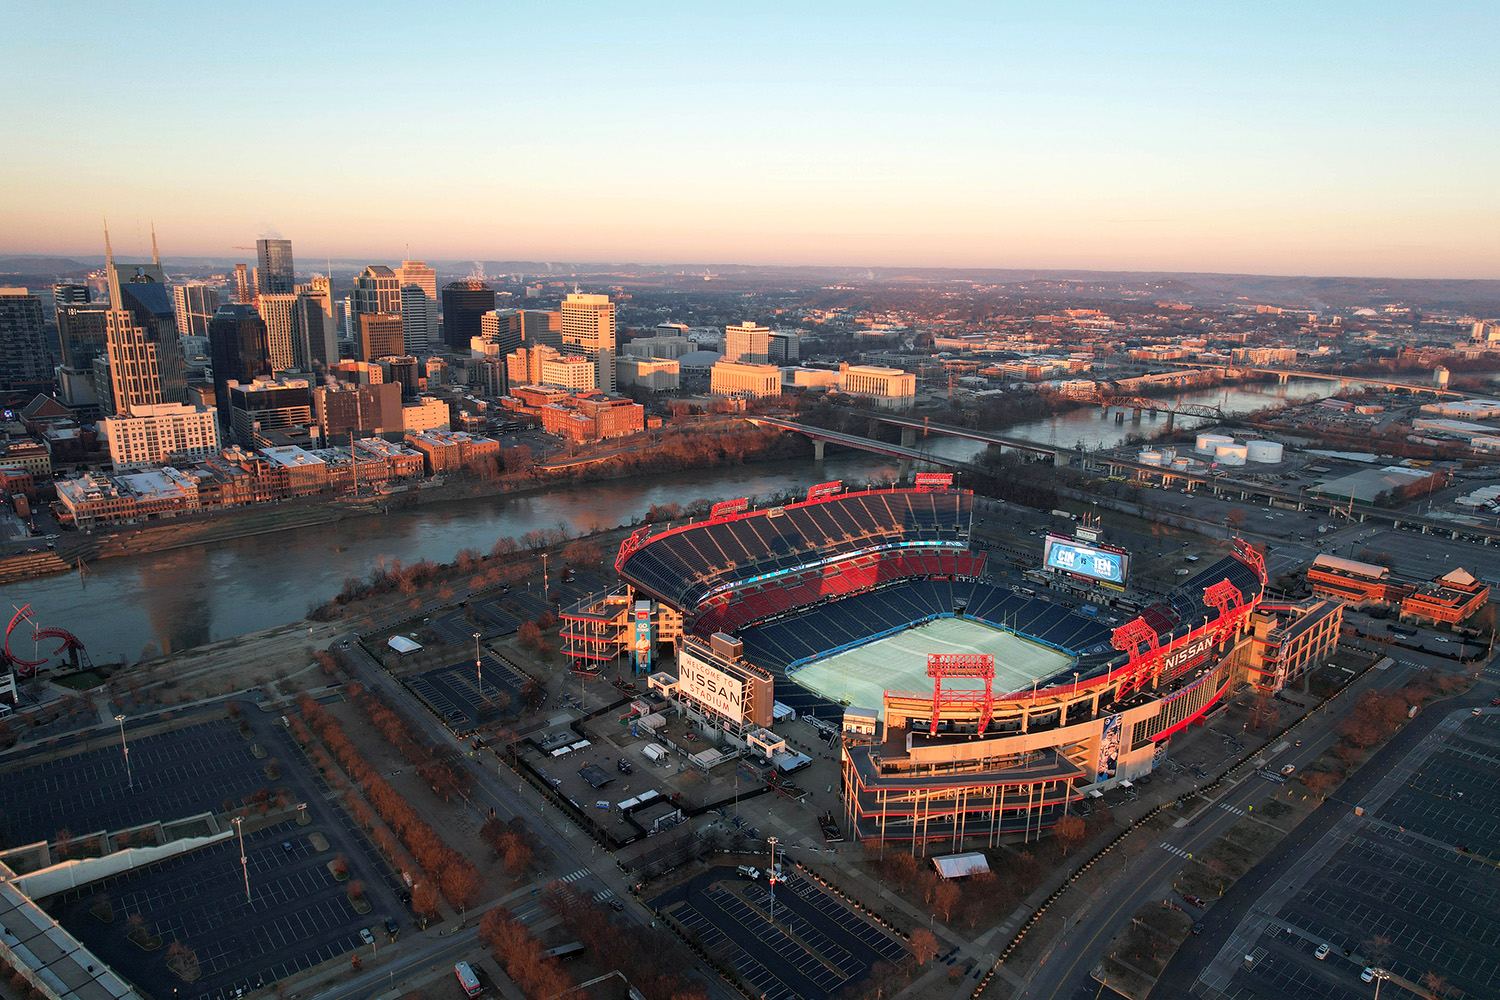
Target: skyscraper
{"points": [[82, 332], [418, 304], [146, 365], [376, 290], [747, 342], [323, 343], [273, 272], [463, 303], [25, 361], [588, 328], [241, 285], [285, 316], [238, 349], [194, 306], [380, 336]]}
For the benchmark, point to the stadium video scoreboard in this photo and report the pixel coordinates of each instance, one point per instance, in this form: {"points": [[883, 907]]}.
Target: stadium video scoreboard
{"points": [[1101, 563]]}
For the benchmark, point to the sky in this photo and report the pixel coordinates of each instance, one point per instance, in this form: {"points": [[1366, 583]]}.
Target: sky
{"points": [[1269, 137]]}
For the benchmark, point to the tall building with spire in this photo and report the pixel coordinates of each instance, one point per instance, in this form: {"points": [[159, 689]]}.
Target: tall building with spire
{"points": [[588, 328], [418, 305], [273, 268], [146, 366]]}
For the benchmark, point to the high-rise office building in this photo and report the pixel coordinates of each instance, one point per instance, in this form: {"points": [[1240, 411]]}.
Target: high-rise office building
{"points": [[194, 306], [242, 285], [747, 342], [273, 270], [82, 332], [588, 328], [418, 304], [377, 291], [70, 294], [464, 302], [237, 343], [380, 336], [500, 332], [25, 361], [285, 316], [786, 348], [323, 341], [146, 366]]}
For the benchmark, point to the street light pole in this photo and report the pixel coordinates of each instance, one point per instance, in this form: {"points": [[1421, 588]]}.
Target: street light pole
{"points": [[478, 665], [239, 826], [546, 596], [125, 749], [771, 878]]}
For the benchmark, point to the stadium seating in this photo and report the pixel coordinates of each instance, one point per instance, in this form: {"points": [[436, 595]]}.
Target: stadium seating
{"points": [[683, 565]]}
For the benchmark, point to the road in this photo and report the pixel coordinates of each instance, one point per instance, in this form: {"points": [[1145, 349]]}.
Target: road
{"points": [[1070, 962], [566, 851]]}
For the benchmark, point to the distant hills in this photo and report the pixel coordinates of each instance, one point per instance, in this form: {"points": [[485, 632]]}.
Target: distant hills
{"points": [[1478, 296]]}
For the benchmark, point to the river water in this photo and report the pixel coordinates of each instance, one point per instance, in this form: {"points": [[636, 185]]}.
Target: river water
{"points": [[186, 597]]}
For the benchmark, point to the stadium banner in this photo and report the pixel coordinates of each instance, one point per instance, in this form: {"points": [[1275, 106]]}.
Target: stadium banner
{"points": [[715, 690], [1109, 747], [1095, 562]]}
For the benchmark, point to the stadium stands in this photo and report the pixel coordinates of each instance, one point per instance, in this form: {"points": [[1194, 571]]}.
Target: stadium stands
{"points": [[685, 565]]}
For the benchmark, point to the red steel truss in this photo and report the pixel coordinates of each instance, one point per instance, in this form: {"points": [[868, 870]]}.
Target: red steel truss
{"points": [[981, 665]]}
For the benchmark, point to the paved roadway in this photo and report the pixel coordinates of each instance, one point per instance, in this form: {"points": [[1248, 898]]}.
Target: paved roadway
{"points": [[566, 853], [1066, 973]]}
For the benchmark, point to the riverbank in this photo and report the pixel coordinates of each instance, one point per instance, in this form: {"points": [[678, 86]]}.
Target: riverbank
{"points": [[719, 445]]}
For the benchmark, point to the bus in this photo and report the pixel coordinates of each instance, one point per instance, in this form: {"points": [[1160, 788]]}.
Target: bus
{"points": [[565, 952], [466, 978]]}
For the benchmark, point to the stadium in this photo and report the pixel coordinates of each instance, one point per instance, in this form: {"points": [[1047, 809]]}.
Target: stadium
{"points": [[999, 706]]}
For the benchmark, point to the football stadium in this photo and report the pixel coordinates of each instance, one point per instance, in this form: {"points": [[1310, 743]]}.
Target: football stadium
{"points": [[997, 706]]}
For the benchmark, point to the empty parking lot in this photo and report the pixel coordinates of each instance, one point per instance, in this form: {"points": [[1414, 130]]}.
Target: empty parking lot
{"points": [[814, 948]]}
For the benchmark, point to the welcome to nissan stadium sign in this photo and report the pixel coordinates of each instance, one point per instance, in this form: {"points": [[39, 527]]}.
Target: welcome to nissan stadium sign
{"points": [[717, 691]]}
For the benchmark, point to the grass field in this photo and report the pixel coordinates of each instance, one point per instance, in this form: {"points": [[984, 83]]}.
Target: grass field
{"points": [[899, 662]]}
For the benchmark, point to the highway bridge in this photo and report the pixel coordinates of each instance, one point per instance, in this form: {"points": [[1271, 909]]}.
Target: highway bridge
{"points": [[1221, 485]]}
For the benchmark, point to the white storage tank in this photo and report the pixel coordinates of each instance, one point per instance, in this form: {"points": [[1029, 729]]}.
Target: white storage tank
{"points": [[1264, 451], [1231, 454], [1149, 458], [1208, 443], [1182, 464]]}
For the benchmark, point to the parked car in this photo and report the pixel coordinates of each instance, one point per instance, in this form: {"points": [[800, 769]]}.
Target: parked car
{"points": [[390, 926], [1368, 975], [1322, 951], [1198, 927], [286, 845], [366, 936], [1194, 900]]}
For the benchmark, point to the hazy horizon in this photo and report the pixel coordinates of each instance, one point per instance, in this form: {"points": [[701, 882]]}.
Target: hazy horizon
{"points": [[1335, 140]]}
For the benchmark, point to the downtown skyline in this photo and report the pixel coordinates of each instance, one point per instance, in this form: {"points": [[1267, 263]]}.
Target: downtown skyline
{"points": [[1329, 140]]}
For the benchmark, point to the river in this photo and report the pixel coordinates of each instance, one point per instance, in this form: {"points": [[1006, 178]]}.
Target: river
{"points": [[186, 597]]}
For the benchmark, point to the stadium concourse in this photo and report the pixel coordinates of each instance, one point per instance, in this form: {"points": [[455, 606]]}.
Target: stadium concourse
{"points": [[803, 582]]}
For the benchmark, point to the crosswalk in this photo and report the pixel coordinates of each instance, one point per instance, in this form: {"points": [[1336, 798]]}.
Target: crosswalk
{"points": [[580, 873], [1174, 849], [1234, 809]]}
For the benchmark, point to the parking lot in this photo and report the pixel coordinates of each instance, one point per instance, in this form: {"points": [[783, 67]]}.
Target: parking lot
{"points": [[814, 949], [172, 775], [298, 914], [456, 696], [1412, 886]]}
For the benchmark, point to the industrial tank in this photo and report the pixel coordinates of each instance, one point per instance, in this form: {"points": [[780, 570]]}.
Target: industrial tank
{"points": [[1149, 458], [1264, 451], [1231, 454], [1207, 443]]}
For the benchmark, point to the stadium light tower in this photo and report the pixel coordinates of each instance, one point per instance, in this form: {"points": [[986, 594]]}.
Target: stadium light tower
{"points": [[125, 749]]}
